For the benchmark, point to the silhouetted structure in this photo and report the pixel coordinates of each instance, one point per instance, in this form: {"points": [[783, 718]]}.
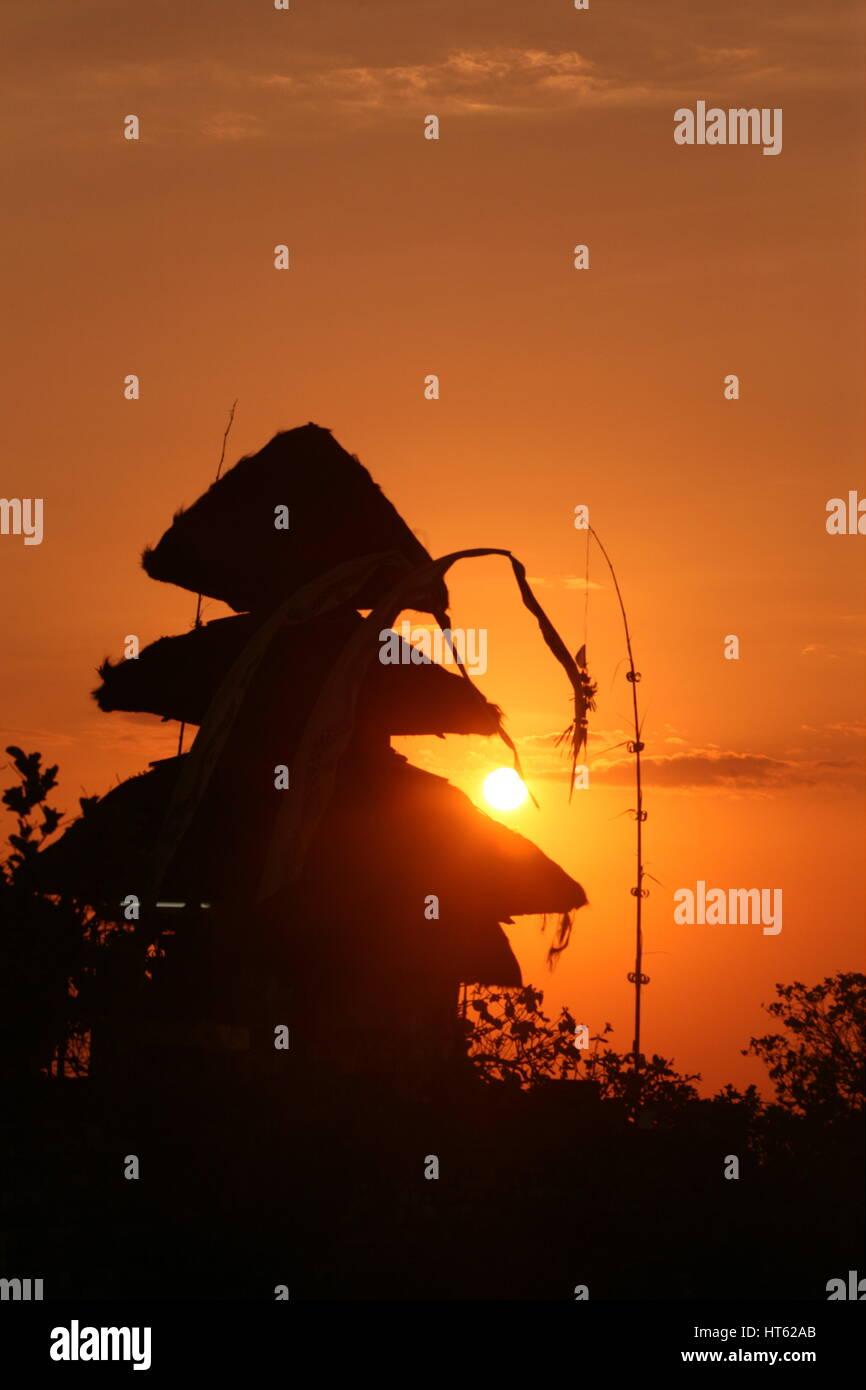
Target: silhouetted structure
{"points": [[307, 1168], [339, 947]]}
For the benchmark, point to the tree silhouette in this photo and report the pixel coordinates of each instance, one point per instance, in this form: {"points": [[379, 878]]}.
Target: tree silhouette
{"points": [[511, 1040], [818, 1068], [48, 944], [23, 800]]}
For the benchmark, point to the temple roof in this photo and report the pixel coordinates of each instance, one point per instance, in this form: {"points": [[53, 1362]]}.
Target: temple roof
{"points": [[176, 677], [387, 831], [227, 546]]}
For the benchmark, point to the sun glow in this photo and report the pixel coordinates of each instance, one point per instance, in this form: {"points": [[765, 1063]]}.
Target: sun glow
{"points": [[504, 789]]}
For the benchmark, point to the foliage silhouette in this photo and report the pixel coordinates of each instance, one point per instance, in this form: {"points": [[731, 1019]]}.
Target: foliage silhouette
{"points": [[818, 1069], [512, 1040], [49, 945]]}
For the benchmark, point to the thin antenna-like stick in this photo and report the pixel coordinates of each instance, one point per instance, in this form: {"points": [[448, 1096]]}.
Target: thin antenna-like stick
{"points": [[636, 977], [197, 622], [586, 594]]}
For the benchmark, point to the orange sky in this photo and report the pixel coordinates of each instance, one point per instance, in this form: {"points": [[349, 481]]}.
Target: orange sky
{"points": [[558, 387]]}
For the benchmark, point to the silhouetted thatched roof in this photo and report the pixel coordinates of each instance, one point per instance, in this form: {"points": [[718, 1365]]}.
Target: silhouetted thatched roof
{"points": [[428, 823], [105, 854], [176, 677], [390, 836], [227, 546]]}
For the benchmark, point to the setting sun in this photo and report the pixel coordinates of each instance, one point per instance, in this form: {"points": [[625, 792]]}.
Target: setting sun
{"points": [[504, 789]]}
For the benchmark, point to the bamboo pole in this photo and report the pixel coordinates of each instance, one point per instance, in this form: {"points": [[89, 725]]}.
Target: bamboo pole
{"points": [[636, 977]]}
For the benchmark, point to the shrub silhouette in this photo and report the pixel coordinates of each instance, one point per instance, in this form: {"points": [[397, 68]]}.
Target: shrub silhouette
{"points": [[512, 1041], [49, 945], [818, 1068]]}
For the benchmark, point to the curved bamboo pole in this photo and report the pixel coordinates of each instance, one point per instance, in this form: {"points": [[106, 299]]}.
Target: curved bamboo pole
{"points": [[636, 977]]}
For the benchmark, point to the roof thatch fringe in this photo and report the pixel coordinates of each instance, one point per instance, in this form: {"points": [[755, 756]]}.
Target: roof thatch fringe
{"points": [[561, 938]]}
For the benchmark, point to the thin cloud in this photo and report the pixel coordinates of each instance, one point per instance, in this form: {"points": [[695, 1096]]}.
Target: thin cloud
{"points": [[570, 582], [218, 95], [724, 770], [464, 81], [695, 769], [233, 126]]}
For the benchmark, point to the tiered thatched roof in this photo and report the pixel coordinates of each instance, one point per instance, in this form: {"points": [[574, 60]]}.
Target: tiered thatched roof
{"points": [[397, 826], [176, 677], [321, 883]]}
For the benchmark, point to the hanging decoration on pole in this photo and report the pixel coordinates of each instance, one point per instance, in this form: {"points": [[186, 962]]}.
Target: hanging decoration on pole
{"points": [[584, 694], [578, 733]]}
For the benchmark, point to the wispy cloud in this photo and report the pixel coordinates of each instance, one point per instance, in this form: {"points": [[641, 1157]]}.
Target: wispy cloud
{"points": [[563, 581], [724, 770], [826, 651], [233, 125], [688, 770], [842, 729], [217, 80], [217, 93]]}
